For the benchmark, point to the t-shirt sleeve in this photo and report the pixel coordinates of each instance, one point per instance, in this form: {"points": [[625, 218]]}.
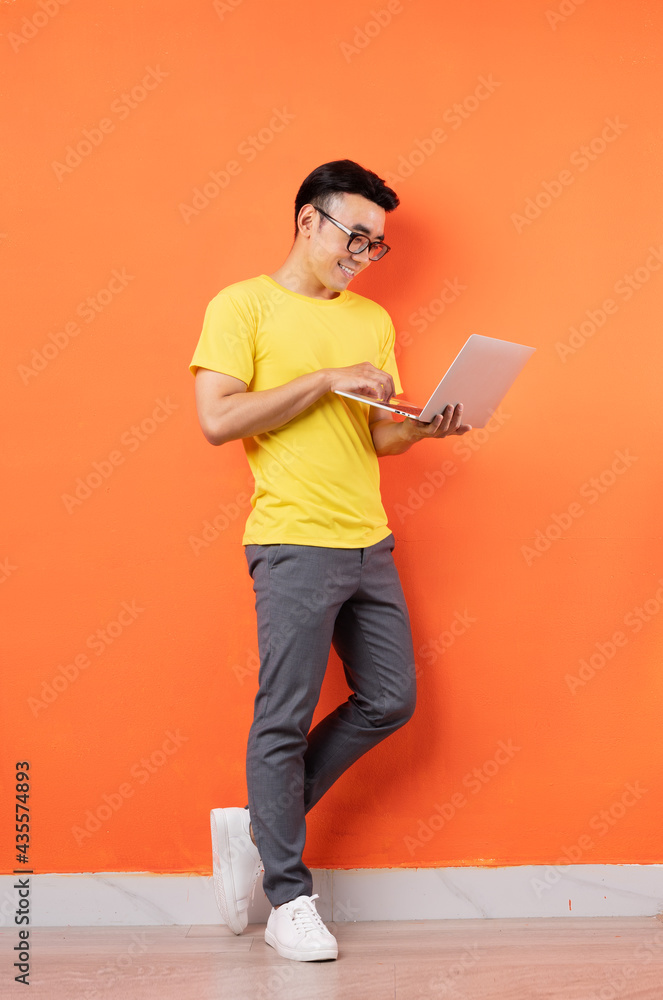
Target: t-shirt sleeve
{"points": [[388, 357], [227, 340]]}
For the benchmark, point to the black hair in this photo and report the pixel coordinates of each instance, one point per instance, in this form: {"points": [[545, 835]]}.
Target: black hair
{"points": [[343, 176]]}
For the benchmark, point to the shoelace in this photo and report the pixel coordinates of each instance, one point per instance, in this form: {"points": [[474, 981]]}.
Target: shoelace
{"points": [[305, 916], [258, 871]]}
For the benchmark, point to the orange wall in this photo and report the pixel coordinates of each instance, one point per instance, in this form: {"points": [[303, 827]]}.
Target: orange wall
{"points": [[125, 624]]}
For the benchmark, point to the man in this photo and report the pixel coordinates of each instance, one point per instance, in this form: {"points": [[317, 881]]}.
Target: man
{"points": [[272, 351]]}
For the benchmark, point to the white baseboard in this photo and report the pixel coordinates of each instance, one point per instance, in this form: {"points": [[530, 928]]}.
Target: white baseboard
{"points": [[141, 899]]}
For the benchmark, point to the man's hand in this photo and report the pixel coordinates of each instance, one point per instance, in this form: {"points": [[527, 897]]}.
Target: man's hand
{"points": [[392, 438], [365, 379], [443, 425], [227, 411]]}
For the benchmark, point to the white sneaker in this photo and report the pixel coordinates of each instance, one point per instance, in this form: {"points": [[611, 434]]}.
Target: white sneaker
{"points": [[236, 863], [296, 931]]}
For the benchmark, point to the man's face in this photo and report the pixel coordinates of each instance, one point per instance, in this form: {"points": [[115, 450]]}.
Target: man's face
{"points": [[331, 263]]}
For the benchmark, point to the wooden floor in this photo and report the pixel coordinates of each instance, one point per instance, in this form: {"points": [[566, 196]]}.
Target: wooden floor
{"points": [[571, 958]]}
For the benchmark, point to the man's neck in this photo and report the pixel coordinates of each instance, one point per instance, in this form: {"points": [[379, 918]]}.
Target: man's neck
{"points": [[296, 277]]}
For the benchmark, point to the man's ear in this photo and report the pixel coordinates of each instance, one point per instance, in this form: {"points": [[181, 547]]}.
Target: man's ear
{"points": [[306, 220]]}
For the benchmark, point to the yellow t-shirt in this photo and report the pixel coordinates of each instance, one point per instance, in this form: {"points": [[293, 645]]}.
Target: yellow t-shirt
{"points": [[317, 479]]}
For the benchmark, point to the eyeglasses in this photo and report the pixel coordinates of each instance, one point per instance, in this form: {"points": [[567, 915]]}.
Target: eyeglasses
{"points": [[358, 243]]}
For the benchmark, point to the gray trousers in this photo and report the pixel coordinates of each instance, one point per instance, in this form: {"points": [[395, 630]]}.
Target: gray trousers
{"points": [[308, 598]]}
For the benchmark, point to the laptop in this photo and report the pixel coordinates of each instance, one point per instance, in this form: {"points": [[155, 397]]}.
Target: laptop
{"points": [[479, 378]]}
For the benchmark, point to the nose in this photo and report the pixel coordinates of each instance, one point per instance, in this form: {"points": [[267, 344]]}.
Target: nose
{"points": [[360, 254]]}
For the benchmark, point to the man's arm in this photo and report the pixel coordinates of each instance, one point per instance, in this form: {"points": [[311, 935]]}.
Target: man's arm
{"points": [[226, 411], [393, 438]]}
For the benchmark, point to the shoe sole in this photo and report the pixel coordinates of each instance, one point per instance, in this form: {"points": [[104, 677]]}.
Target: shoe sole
{"points": [[323, 955], [224, 885]]}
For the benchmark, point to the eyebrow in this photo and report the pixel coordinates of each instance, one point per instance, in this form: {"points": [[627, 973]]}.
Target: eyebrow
{"points": [[360, 228]]}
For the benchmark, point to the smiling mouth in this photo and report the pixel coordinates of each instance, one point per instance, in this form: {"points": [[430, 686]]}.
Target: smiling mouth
{"points": [[347, 270]]}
